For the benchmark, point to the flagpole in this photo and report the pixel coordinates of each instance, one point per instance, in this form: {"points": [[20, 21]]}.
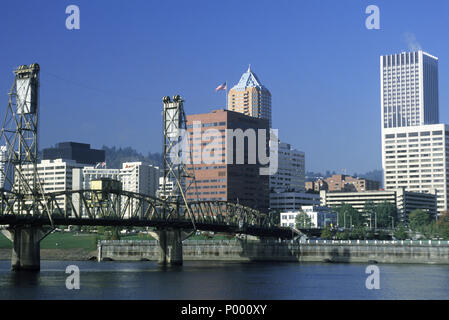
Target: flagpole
{"points": [[226, 85]]}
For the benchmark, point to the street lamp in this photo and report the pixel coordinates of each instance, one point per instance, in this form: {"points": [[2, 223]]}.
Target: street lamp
{"points": [[375, 220]]}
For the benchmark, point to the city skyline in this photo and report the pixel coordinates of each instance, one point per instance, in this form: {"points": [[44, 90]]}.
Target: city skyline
{"points": [[208, 155], [97, 98]]}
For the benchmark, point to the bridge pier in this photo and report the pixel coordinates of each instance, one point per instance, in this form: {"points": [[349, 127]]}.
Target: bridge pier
{"points": [[26, 246], [170, 245]]}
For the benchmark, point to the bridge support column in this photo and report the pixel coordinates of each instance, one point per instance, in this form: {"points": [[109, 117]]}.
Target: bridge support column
{"points": [[26, 246], [170, 245]]}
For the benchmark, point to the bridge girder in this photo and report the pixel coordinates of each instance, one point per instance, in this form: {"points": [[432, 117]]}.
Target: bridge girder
{"points": [[124, 208]]}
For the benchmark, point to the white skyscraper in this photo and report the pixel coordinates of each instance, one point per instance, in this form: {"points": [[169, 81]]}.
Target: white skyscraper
{"points": [[290, 175], [414, 145], [409, 89], [287, 185], [140, 177]]}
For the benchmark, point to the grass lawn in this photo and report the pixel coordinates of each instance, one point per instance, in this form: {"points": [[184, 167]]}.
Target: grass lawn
{"points": [[69, 240], [88, 241]]}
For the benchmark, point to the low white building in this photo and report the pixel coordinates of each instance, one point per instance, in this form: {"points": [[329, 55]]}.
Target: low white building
{"points": [[320, 217], [405, 201], [54, 175]]}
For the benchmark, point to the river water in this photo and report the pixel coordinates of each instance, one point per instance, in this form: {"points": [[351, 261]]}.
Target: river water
{"points": [[219, 280]]}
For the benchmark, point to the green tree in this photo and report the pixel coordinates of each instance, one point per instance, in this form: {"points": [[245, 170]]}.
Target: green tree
{"points": [[358, 233], [343, 235], [326, 234], [430, 230], [109, 233], [275, 217], [400, 233], [419, 219], [369, 234], [443, 225], [386, 215], [303, 220], [349, 217], [443, 230], [370, 212]]}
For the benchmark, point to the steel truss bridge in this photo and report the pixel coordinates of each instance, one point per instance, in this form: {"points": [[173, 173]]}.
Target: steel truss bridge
{"points": [[123, 208], [31, 212]]}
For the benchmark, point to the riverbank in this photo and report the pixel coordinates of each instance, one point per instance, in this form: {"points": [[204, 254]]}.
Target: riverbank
{"points": [[74, 254], [400, 252], [332, 251]]}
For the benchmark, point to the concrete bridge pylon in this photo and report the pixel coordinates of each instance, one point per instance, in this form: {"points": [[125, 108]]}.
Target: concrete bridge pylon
{"points": [[26, 240], [170, 245]]}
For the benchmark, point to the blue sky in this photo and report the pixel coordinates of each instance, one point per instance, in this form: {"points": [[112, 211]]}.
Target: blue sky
{"points": [[103, 84]]}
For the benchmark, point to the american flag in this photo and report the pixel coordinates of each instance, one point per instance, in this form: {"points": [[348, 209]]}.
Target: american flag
{"points": [[102, 164], [221, 87]]}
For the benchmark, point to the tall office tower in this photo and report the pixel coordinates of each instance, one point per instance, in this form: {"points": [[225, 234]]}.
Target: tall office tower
{"points": [[290, 175], [413, 143], [250, 97], [216, 177], [409, 89]]}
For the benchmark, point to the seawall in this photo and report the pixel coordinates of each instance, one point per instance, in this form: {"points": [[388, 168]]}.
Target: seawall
{"points": [[428, 252]]}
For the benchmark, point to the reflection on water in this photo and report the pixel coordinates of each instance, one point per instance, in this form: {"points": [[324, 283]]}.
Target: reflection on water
{"points": [[220, 280]]}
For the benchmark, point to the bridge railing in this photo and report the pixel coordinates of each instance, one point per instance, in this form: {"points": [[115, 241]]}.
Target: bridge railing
{"points": [[433, 243], [379, 242], [192, 242]]}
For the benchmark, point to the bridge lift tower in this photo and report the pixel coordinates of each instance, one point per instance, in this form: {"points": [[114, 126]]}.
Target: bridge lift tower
{"points": [[18, 164], [176, 154]]}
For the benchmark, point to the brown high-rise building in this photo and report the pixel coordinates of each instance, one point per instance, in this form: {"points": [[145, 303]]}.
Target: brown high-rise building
{"points": [[215, 177]]}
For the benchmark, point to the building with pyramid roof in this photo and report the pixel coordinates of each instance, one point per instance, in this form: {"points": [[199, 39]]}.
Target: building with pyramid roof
{"points": [[250, 97]]}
